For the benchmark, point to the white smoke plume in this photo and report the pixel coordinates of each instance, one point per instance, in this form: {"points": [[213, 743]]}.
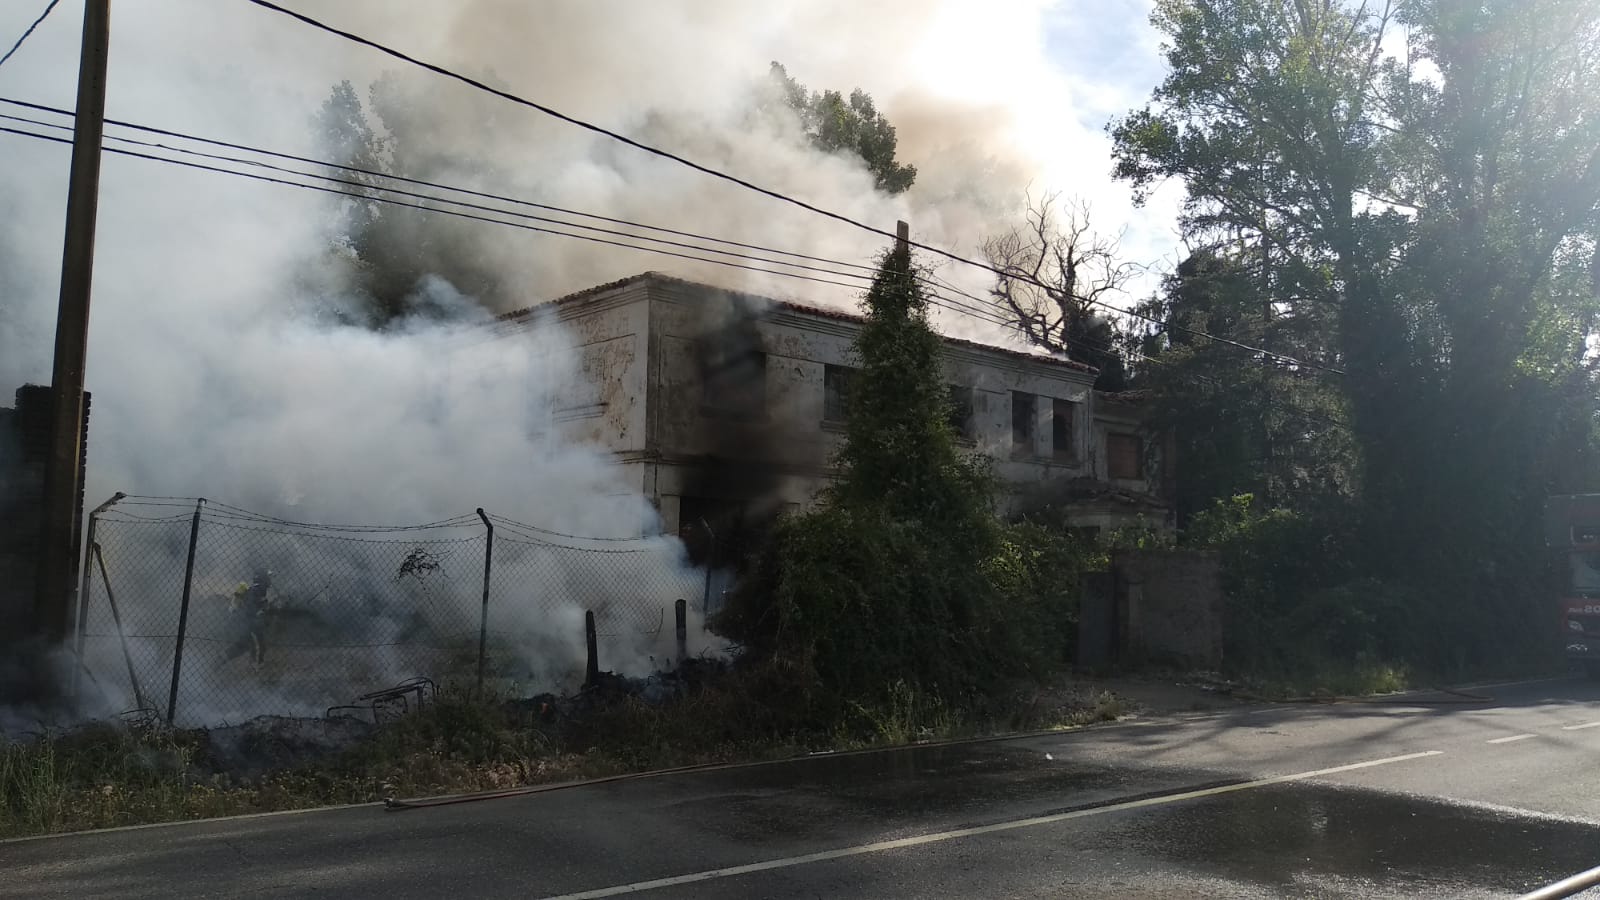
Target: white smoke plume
{"points": [[213, 362]]}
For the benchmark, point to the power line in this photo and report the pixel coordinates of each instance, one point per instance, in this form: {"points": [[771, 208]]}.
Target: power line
{"points": [[364, 186], [734, 179], [982, 312], [374, 194], [979, 312], [425, 183], [434, 209], [18, 45]]}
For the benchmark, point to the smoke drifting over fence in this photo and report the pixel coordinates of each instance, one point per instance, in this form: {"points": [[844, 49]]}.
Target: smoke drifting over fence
{"points": [[285, 618]]}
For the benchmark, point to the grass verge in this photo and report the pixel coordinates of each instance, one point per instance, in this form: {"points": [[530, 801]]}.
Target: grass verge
{"points": [[107, 775]]}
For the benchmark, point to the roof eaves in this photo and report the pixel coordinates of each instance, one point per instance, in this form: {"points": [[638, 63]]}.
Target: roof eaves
{"points": [[805, 309]]}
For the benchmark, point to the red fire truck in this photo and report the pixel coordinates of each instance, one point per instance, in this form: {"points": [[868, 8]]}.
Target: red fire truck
{"points": [[1572, 530]]}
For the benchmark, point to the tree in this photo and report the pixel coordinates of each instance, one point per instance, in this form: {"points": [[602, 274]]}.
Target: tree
{"points": [[1055, 271], [1416, 203], [854, 126], [400, 255], [1241, 425], [899, 453], [887, 579]]}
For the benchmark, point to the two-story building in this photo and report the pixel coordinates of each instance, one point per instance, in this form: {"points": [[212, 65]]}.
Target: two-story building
{"points": [[724, 407]]}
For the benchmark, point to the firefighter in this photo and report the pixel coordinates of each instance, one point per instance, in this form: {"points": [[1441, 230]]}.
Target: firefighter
{"points": [[252, 601]]}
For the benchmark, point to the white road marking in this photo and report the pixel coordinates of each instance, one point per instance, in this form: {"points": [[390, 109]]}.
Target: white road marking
{"points": [[1580, 727], [1519, 683], [1514, 737], [919, 840]]}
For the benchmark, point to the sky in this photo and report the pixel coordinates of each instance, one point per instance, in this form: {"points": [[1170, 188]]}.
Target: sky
{"points": [[203, 283]]}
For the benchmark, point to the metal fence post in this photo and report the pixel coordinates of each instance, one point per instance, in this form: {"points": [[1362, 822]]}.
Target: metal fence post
{"points": [[680, 613], [483, 617], [183, 610], [81, 617], [591, 670], [711, 565], [116, 619]]}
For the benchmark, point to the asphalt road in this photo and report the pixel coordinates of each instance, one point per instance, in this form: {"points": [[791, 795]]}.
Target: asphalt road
{"points": [[1361, 800]]}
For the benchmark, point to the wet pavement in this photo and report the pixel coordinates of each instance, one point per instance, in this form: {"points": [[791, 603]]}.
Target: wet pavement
{"points": [[1366, 801]]}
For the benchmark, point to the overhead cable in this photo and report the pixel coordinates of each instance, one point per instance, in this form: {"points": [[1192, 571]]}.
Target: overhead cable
{"points": [[29, 31], [378, 173], [434, 209], [364, 188]]}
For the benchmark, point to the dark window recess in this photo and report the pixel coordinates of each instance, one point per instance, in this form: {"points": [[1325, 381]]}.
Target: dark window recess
{"points": [[1024, 415], [713, 530], [1123, 452], [961, 412], [836, 381], [1061, 415], [735, 384]]}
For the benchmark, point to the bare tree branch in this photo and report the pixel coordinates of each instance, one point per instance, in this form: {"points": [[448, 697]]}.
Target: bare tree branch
{"points": [[1056, 270]]}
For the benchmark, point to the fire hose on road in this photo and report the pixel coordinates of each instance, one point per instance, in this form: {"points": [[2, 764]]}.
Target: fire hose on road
{"points": [[1567, 887]]}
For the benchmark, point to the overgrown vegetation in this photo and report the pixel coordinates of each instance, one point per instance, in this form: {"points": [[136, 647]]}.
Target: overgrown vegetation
{"points": [[1400, 202]]}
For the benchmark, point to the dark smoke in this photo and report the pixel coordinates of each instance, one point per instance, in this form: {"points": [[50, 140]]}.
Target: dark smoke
{"points": [[731, 497]]}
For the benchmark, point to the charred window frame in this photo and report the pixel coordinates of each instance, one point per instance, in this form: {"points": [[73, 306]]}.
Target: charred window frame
{"points": [[1063, 422], [837, 382], [1024, 423], [1124, 456], [733, 384], [960, 413]]}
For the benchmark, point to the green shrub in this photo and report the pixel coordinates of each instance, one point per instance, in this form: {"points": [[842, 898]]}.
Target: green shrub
{"points": [[1036, 573], [901, 582]]}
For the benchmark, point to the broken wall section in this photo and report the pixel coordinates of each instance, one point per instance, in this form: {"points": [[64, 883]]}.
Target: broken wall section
{"points": [[24, 447], [1154, 608]]}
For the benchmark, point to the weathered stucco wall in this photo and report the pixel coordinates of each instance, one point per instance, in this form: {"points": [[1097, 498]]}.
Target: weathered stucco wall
{"points": [[712, 394], [792, 431], [604, 334]]}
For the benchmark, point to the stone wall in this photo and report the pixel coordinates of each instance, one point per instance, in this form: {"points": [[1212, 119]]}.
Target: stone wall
{"points": [[1169, 608]]}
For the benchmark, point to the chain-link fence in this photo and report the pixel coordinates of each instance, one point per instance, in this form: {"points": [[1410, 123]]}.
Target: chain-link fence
{"points": [[208, 613]]}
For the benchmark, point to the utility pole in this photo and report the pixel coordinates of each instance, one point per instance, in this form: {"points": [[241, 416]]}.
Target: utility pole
{"points": [[58, 537]]}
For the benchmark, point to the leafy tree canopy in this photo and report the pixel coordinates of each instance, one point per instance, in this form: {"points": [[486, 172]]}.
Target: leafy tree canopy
{"points": [[852, 125]]}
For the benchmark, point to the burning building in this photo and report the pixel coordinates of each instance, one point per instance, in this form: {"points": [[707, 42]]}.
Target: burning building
{"points": [[724, 408]]}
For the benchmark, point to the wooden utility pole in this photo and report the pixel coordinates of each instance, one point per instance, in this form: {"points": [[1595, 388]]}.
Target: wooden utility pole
{"points": [[902, 236], [58, 538]]}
